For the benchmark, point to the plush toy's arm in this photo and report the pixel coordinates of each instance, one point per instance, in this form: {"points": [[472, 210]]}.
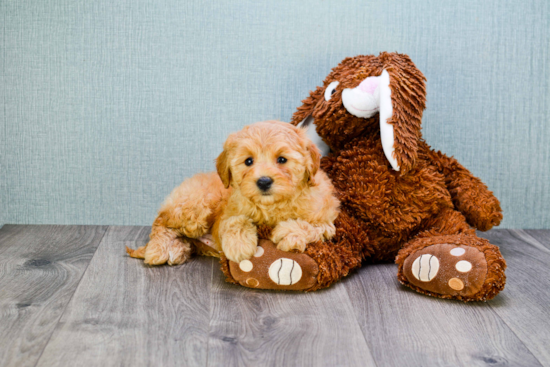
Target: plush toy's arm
{"points": [[470, 196]]}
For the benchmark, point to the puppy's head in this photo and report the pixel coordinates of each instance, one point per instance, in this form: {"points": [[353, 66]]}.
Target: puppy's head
{"points": [[268, 161]]}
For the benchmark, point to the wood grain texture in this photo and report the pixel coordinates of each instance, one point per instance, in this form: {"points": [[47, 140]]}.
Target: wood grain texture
{"points": [[269, 328], [69, 295], [525, 302], [40, 268], [404, 328], [127, 314]]}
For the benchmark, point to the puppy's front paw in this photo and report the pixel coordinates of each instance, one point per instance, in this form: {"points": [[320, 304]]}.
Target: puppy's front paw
{"points": [[294, 235], [292, 242], [239, 248], [239, 238]]}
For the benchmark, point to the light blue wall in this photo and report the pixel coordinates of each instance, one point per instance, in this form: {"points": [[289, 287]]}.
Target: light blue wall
{"points": [[107, 105]]}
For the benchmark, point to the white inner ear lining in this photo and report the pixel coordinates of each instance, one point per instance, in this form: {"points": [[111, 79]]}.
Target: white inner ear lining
{"points": [[386, 112]]}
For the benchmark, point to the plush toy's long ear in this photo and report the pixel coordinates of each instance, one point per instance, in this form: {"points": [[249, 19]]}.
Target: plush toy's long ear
{"points": [[304, 119], [398, 94], [408, 100], [222, 166], [307, 107]]}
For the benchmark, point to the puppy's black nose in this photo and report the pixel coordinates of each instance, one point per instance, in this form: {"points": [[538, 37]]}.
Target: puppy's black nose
{"points": [[264, 183]]}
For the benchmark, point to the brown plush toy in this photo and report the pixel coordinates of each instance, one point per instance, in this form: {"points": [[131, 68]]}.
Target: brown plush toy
{"points": [[401, 201]]}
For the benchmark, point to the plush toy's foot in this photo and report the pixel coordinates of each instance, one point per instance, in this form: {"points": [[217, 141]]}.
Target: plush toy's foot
{"points": [[271, 268], [459, 267]]}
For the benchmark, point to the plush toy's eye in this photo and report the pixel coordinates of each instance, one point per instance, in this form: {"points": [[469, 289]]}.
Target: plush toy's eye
{"points": [[331, 89], [249, 161], [281, 160]]}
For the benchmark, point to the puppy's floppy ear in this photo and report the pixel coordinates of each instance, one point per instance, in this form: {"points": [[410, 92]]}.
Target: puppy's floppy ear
{"points": [[222, 162], [313, 154], [314, 163], [222, 166]]}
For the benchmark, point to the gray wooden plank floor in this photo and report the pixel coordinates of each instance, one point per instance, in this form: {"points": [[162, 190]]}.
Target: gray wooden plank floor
{"points": [[269, 328], [441, 332], [70, 296], [124, 313], [525, 304], [40, 268]]}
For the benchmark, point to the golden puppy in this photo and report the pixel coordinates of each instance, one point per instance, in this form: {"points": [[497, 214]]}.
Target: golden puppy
{"points": [[268, 173]]}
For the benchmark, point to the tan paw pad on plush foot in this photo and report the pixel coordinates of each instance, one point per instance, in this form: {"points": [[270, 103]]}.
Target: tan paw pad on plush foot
{"points": [[447, 269], [271, 268]]}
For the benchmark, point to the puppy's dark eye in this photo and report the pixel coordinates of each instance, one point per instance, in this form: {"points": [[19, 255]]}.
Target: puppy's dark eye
{"points": [[281, 160], [249, 161]]}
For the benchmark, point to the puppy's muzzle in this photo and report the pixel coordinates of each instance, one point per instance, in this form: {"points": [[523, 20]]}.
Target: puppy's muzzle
{"points": [[264, 183]]}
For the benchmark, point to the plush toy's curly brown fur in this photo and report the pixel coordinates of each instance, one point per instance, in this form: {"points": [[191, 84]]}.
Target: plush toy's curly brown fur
{"points": [[431, 200]]}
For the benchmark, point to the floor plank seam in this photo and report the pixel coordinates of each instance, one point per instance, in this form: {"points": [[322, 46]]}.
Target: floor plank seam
{"points": [[513, 233], [72, 295], [209, 310], [518, 233], [358, 324], [517, 336]]}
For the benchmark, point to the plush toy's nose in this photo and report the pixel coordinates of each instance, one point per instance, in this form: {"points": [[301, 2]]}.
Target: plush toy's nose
{"points": [[369, 85], [264, 183]]}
